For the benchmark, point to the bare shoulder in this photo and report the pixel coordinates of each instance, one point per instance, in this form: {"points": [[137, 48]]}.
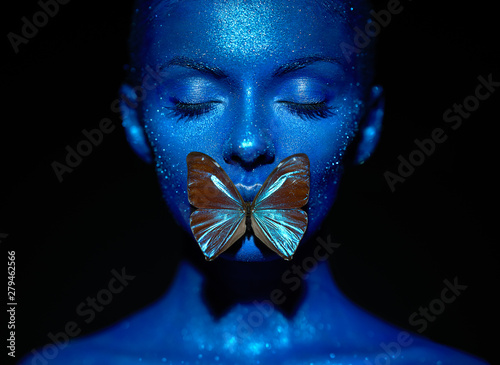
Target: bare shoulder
{"points": [[441, 355], [89, 351], [395, 346], [124, 344], [410, 348], [421, 354], [78, 351]]}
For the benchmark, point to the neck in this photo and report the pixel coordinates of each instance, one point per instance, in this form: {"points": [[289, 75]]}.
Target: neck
{"points": [[228, 283], [246, 307], [285, 283]]}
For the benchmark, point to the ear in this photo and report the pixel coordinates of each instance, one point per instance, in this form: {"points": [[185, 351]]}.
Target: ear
{"points": [[371, 129], [133, 129]]}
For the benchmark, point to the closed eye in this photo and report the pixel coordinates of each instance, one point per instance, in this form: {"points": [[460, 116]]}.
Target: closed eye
{"points": [[187, 111], [316, 110]]}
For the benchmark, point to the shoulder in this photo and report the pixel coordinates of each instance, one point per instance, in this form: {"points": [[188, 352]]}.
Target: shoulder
{"points": [[410, 348], [418, 350], [421, 353], [104, 347], [89, 351], [382, 343], [135, 342], [78, 351], [427, 352]]}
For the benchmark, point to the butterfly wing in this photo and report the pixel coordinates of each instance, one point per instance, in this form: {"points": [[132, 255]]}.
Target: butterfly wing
{"points": [[280, 230], [276, 219], [208, 185], [287, 186], [216, 230], [220, 219]]}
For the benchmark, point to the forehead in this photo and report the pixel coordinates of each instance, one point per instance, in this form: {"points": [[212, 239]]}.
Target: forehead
{"points": [[244, 33]]}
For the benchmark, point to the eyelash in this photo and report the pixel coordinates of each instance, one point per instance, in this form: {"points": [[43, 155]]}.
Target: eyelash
{"points": [[318, 110], [188, 111], [312, 111]]}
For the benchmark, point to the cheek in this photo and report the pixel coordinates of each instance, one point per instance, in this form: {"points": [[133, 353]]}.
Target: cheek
{"points": [[325, 143], [172, 177], [325, 177], [174, 135], [171, 142]]}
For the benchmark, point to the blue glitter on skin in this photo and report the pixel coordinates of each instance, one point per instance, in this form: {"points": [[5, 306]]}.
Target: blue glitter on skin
{"points": [[249, 88], [250, 83]]}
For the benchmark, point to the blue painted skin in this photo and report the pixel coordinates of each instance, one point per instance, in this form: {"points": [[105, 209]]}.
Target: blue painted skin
{"points": [[250, 83]]}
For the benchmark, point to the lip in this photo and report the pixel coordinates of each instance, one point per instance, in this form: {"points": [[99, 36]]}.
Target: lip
{"points": [[249, 248], [248, 191]]}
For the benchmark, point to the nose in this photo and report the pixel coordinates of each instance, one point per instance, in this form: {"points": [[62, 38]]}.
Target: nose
{"points": [[250, 143], [249, 147]]}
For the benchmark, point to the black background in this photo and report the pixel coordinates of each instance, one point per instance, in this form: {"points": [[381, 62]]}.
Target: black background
{"points": [[397, 248]]}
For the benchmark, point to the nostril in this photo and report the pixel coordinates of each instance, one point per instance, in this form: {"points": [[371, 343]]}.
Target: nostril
{"points": [[264, 159], [232, 159], [249, 150], [250, 164]]}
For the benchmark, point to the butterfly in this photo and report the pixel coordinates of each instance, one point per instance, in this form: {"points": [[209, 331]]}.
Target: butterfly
{"points": [[222, 216]]}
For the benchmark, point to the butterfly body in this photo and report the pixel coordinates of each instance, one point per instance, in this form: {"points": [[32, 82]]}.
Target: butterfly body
{"points": [[222, 216], [247, 208]]}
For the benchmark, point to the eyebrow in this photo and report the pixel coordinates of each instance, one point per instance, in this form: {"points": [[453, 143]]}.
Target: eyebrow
{"points": [[195, 65], [217, 73], [301, 63]]}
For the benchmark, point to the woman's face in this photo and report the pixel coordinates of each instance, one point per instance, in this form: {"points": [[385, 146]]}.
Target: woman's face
{"points": [[250, 83]]}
